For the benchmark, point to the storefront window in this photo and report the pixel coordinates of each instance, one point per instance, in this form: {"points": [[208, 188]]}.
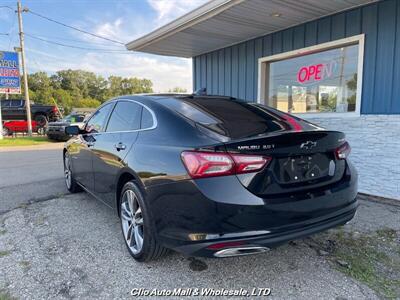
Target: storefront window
{"points": [[318, 82]]}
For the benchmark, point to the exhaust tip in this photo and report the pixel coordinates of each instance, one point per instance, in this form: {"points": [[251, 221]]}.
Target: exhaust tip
{"points": [[239, 251]]}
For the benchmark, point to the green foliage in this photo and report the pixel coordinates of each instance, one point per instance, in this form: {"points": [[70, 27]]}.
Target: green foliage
{"points": [[352, 83], [177, 90], [372, 258], [23, 141], [78, 88], [88, 102]]}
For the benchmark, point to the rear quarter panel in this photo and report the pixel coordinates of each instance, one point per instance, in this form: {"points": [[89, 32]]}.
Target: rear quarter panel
{"points": [[156, 155]]}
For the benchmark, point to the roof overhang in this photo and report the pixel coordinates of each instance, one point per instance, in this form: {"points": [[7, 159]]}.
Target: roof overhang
{"points": [[221, 23]]}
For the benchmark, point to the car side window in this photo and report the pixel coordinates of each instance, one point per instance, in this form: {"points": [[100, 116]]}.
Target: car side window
{"points": [[147, 119], [98, 121], [79, 118], [5, 103], [125, 116], [15, 103]]}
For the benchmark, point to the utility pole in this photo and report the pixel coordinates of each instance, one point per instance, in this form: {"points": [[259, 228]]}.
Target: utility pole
{"points": [[1, 121], [25, 75]]}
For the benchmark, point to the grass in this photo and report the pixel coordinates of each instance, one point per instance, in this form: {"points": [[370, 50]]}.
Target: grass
{"points": [[25, 264], [24, 141], [5, 295], [4, 253], [373, 259]]}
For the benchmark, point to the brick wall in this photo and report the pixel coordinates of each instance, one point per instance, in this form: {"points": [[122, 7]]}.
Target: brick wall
{"points": [[375, 143]]}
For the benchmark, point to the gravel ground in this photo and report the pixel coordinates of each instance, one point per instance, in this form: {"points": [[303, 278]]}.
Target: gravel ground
{"points": [[72, 247]]}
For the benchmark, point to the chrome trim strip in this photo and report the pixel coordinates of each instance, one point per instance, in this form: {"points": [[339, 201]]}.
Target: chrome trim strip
{"points": [[240, 251]]}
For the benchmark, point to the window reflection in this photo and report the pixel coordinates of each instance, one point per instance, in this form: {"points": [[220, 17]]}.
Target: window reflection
{"points": [[315, 83]]}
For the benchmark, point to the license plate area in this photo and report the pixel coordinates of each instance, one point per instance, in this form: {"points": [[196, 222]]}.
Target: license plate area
{"points": [[303, 168]]}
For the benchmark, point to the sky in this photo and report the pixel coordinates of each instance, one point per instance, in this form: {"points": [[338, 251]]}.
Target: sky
{"points": [[121, 20]]}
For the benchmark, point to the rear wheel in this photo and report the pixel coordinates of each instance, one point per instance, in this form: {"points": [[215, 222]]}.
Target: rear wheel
{"points": [[6, 132], [41, 120], [70, 182], [137, 228]]}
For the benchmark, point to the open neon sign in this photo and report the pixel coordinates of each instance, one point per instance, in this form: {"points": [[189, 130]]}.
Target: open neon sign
{"points": [[317, 72]]}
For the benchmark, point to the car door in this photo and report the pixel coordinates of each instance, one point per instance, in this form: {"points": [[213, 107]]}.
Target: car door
{"points": [[112, 146], [82, 156]]}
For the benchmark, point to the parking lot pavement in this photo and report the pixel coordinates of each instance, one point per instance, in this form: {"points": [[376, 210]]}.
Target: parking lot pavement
{"points": [[72, 247], [28, 175]]}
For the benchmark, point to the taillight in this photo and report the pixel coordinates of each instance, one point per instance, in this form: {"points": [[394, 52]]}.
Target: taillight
{"points": [[210, 164], [205, 164], [55, 110], [343, 151], [249, 163]]}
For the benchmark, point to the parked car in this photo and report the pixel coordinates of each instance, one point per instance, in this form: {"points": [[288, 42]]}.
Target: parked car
{"points": [[12, 110], [11, 127], [56, 130], [210, 176]]}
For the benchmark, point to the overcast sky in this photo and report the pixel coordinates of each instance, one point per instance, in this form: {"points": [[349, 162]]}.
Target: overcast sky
{"points": [[123, 20]]}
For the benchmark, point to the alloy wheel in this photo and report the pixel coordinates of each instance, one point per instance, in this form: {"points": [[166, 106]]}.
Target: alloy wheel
{"points": [[132, 221], [67, 171]]}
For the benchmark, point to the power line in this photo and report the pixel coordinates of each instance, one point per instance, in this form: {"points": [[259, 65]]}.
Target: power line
{"points": [[76, 47], [57, 38], [75, 28], [11, 30]]}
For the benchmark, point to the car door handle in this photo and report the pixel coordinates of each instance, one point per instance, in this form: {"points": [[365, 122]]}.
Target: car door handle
{"points": [[120, 146]]}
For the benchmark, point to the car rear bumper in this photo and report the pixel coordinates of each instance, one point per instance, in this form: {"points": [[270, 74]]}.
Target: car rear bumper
{"points": [[269, 240], [192, 215]]}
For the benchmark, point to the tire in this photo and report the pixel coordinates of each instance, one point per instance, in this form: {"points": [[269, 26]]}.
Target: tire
{"points": [[136, 225], [41, 131], [41, 120], [70, 182], [6, 132]]}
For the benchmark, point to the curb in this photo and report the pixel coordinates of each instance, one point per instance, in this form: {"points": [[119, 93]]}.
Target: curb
{"points": [[50, 146]]}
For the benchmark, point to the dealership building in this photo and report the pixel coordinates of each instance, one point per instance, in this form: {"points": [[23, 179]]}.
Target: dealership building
{"points": [[333, 62]]}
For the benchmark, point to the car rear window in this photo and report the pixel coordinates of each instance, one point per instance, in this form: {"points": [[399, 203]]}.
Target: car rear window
{"points": [[231, 118]]}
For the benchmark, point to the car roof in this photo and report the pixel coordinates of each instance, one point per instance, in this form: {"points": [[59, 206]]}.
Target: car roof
{"points": [[143, 98]]}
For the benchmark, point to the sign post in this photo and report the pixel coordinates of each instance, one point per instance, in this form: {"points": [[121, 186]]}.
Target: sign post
{"points": [[10, 81]]}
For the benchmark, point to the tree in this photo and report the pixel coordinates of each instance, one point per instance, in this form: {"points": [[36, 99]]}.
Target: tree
{"points": [[177, 90], [88, 102], [78, 88], [119, 86]]}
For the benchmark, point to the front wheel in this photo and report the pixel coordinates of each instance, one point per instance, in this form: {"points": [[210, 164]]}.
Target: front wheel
{"points": [[137, 227], [70, 182]]}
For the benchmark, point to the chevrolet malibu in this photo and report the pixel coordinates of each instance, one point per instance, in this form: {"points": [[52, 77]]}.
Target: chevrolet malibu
{"points": [[210, 176]]}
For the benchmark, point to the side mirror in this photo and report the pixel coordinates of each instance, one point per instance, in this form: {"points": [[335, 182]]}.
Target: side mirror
{"points": [[72, 130]]}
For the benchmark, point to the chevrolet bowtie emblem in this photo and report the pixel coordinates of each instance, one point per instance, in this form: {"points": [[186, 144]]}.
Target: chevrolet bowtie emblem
{"points": [[308, 145]]}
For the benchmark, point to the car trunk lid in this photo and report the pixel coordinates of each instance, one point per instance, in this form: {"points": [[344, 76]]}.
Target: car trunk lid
{"points": [[300, 160]]}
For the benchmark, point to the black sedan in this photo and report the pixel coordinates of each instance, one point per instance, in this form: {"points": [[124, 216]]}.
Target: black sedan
{"points": [[209, 175]]}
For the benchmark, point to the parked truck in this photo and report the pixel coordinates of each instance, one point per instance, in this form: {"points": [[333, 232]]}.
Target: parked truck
{"points": [[13, 110]]}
